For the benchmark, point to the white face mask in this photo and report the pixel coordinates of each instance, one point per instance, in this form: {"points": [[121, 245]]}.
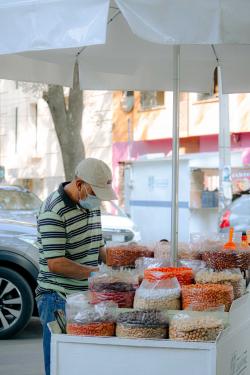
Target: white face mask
{"points": [[91, 202]]}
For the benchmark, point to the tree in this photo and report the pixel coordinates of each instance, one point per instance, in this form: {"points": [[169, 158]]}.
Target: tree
{"points": [[67, 119]]}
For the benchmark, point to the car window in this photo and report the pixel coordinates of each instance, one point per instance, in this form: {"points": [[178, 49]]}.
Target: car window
{"points": [[18, 200], [111, 208], [241, 205]]}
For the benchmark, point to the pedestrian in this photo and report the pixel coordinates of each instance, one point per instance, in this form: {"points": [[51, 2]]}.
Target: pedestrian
{"points": [[70, 240]]}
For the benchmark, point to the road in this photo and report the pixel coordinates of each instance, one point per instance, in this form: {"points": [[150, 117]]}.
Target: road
{"points": [[23, 355]]}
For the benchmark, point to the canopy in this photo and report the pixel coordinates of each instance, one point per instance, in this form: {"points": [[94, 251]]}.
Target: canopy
{"points": [[44, 38]]}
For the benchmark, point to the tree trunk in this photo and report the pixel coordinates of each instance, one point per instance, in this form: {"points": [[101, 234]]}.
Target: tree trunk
{"points": [[68, 123]]}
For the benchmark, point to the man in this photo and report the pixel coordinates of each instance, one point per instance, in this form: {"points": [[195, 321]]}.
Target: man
{"points": [[70, 240]]}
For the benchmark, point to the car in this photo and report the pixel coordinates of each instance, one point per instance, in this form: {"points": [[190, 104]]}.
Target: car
{"points": [[19, 255], [236, 215]]}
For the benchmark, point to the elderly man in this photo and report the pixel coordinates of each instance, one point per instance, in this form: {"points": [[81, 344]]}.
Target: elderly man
{"points": [[70, 240]]}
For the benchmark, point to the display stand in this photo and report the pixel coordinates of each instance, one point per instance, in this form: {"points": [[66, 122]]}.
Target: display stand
{"points": [[229, 355]]}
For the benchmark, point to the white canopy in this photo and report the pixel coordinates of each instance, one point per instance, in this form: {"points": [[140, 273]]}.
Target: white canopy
{"points": [[39, 41]]}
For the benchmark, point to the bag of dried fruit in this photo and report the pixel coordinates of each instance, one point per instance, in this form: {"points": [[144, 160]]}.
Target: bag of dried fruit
{"points": [[158, 295]]}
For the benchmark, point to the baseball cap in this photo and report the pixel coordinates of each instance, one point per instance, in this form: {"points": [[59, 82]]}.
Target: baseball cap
{"points": [[98, 175]]}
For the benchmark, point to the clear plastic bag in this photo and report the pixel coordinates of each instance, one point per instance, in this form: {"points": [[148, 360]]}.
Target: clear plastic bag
{"points": [[162, 250], [226, 259], [202, 297], [185, 327], [196, 265], [142, 324], [184, 275], [141, 264], [126, 255], [191, 251], [232, 277], [87, 320], [113, 285], [159, 295]]}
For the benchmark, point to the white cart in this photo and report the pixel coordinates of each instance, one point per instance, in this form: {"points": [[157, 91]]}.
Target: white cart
{"points": [[229, 355]]}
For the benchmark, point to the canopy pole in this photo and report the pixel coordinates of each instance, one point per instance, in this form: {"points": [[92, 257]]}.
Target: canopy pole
{"points": [[175, 154], [225, 177]]}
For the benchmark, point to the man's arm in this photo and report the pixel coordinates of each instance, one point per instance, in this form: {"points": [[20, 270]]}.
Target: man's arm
{"points": [[69, 268]]}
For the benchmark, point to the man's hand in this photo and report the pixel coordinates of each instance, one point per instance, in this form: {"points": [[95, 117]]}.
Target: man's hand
{"points": [[102, 254], [68, 268]]}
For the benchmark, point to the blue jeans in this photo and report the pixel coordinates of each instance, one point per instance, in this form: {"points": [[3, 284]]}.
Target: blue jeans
{"points": [[47, 303]]}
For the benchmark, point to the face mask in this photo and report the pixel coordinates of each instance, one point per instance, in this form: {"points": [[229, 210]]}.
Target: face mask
{"points": [[91, 202]]}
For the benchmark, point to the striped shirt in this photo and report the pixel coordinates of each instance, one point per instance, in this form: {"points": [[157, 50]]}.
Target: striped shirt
{"points": [[65, 230]]}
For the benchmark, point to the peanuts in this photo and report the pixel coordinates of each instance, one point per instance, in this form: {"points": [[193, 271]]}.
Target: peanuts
{"points": [[157, 304], [183, 274], [201, 297], [195, 329], [125, 256], [123, 330], [226, 259], [91, 329], [223, 277]]}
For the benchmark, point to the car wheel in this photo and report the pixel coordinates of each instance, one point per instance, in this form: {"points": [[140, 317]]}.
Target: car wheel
{"points": [[16, 303]]}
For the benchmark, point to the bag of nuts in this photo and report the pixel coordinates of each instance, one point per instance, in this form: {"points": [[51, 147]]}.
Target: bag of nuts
{"points": [[142, 324], [126, 255], [141, 264], [202, 297], [84, 319], [232, 277], [158, 295], [184, 275], [184, 327]]}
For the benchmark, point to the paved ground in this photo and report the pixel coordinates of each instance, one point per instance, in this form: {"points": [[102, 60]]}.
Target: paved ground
{"points": [[23, 355]]}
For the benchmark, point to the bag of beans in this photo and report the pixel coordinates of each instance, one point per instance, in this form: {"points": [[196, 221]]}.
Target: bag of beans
{"points": [[202, 297], [184, 327], [158, 295], [232, 277], [184, 275], [141, 264], [126, 255], [113, 285], [142, 324], [84, 319]]}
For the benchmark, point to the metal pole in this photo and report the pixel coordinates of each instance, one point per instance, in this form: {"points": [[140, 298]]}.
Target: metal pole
{"points": [[175, 154], [225, 178]]}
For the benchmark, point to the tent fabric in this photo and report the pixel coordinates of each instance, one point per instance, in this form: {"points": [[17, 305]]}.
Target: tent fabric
{"points": [[32, 25], [188, 22], [135, 55]]}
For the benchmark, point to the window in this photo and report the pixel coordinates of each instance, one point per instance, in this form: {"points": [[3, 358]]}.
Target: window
{"points": [[152, 99]]}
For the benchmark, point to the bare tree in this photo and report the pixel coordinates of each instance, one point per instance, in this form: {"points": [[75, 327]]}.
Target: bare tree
{"points": [[67, 118]]}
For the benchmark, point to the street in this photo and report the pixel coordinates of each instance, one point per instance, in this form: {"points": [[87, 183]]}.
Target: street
{"points": [[23, 355]]}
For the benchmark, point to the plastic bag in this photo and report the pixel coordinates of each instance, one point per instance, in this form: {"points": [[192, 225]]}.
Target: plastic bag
{"points": [[184, 327], [226, 259], [191, 251], [142, 324], [88, 320], [184, 275], [196, 265], [232, 277], [126, 255], [113, 285], [202, 297], [163, 294], [141, 264], [162, 250]]}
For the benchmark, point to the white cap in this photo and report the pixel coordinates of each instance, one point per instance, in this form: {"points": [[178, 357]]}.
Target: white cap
{"points": [[99, 176]]}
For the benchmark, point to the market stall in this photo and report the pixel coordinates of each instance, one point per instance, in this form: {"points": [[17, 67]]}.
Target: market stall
{"points": [[142, 315]]}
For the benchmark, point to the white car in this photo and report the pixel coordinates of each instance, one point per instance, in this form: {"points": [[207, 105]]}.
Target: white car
{"points": [[117, 227]]}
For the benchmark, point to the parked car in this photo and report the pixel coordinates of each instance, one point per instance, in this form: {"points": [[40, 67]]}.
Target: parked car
{"points": [[236, 215], [19, 255]]}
